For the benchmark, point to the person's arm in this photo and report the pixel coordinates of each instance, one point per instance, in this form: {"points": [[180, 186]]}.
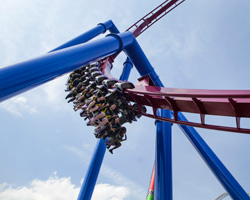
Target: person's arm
{"points": [[90, 105], [93, 109], [125, 137], [104, 106]]}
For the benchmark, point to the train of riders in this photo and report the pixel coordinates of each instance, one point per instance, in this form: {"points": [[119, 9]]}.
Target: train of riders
{"points": [[102, 103]]}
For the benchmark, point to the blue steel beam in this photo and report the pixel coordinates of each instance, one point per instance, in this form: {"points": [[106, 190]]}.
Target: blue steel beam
{"points": [[163, 160], [226, 179], [162, 183], [24, 76], [163, 166], [95, 164], [21, 77], [127, 66], [99, 29], [142, 64], [90, 179], [99, 152], [88, 185], [128, 70]]}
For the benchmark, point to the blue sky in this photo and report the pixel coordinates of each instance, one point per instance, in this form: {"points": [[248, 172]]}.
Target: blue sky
{"points": [[45, 147]]}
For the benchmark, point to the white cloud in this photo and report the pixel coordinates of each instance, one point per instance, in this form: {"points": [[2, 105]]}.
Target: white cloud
{"points": [[17, 106], [54, 93], [49, 96], [38, 189], [110, 174], [109, 192], [60, 189], [135, 189]]}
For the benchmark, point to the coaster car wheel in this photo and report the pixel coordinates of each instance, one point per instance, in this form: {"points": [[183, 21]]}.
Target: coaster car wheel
{"points": [[95, 74], [94, 69], [94, 64], [109, 82], [100, 79], [124, 85]]}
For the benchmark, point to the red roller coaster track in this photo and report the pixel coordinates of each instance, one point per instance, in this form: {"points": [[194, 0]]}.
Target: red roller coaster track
{"points": [[233, 103], [152, 17]]}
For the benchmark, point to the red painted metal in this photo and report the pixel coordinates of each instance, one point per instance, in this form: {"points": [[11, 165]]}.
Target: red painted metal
{"points": [[150, 195], [153, 16], [149, 19], [232, 103], [152, 181]]}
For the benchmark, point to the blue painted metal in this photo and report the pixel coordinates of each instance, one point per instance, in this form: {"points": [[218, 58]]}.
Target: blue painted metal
{"points": [[21, 77], [220, 171], [93, 171], [94, 168], [127, 66], [110, 26], [98, 155], [95, 164], [100, 28], [227, 180], [24, 76], [163, 161], [142, 64], [163, 164]]}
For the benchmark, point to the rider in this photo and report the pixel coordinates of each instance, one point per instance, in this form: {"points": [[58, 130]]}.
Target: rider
{"points": [[109, 128], [116, 141], [107, 112]]}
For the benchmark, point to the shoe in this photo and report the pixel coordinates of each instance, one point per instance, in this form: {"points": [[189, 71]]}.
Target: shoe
{"points": [[111, 151], [71, 100], [84, 114], [86, 118]]}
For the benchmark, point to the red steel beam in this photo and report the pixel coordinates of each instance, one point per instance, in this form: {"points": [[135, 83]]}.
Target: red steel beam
{"points": [[153, 16], [211, 102], [233, 103], [149, 19]]}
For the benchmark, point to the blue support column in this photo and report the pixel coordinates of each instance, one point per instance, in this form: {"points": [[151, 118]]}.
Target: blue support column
{"points": [[24, 76], [100, 28], [94, 167], [89, 182], [163, 160], [127, 66], [224, 176], [220, 171], [92, 173], [163, 156], [142, 64], [21, 77]]}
